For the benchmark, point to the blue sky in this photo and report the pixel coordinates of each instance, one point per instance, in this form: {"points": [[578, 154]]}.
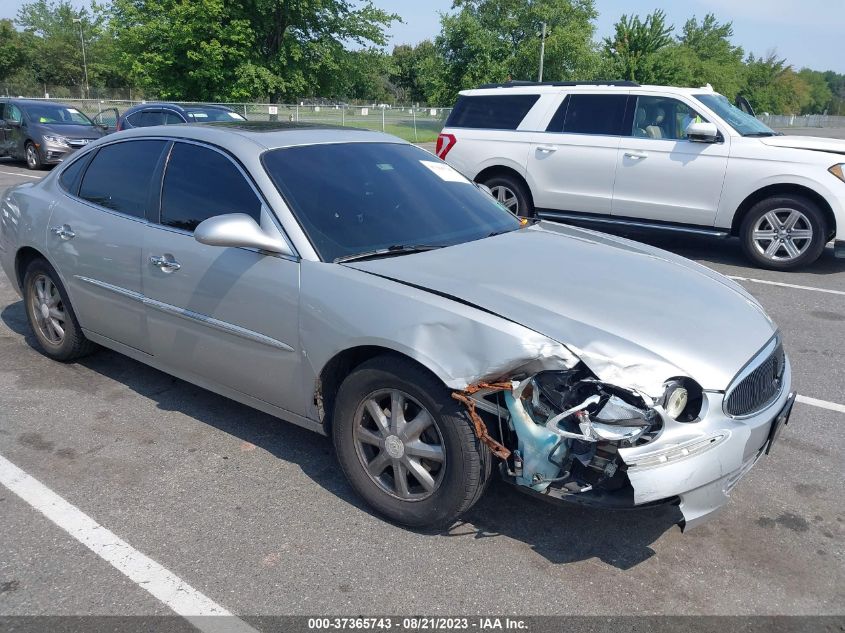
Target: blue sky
{"points": [[806, 32]]}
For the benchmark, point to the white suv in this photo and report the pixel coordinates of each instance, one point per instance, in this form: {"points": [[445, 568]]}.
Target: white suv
{"points": [[679, 159]]}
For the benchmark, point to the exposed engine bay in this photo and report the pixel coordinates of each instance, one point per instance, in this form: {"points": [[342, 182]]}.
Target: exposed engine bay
{"points": [[560, 432]]}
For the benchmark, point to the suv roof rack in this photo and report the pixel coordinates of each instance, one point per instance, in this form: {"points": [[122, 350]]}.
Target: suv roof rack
{"points": [[519, 84]]}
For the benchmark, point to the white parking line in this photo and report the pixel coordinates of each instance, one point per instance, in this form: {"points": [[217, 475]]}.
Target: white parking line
{"points": [[824, 404], [779, 283], [140, 569], [14, 173]]}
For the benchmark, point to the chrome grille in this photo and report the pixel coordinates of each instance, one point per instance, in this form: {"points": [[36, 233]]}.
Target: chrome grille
{"points": [[759, 387]]}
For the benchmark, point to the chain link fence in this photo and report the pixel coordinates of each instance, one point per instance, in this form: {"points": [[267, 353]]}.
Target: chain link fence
{"points": [[805, 120], [412, 123]]}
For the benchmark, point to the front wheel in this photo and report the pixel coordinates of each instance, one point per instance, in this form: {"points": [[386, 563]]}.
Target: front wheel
{"points": [[406, 446], [784, 232], [33, 158]]}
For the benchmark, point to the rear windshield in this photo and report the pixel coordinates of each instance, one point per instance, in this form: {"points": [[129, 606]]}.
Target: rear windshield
{"points": [[354, 198], [207, 115], [494, 112]]}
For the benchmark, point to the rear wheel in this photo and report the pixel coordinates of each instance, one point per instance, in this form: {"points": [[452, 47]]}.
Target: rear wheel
{"points": [[33, 158], [406, 446], [511, 193], [51, 316], [784, 232]]}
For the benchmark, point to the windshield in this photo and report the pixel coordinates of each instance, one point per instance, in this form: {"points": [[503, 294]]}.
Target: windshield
{"points": [[206, 115], [742, 122], [56, 114], [356, 198]]}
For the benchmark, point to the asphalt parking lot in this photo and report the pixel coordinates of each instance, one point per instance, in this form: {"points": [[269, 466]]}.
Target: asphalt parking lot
{"points": [[255, 515]]}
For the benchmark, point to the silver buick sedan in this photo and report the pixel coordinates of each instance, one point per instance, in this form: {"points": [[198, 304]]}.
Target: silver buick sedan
{"points": [[351, 283]]}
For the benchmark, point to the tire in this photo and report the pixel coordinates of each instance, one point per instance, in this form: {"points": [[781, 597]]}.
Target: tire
{"points": [[455, 483], [768, 232], [507, 188], [32, 157], [42, 287]]}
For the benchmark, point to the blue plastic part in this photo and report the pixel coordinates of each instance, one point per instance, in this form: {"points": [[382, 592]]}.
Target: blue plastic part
{"points": [[535, 445]]}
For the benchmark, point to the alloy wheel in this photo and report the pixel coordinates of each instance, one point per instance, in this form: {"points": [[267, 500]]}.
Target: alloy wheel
{"points": [[399, 445], [782, 235], [48, 310], [31, 156], [506, 197]]}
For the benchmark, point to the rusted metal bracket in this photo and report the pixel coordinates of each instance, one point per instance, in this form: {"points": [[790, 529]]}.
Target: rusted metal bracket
{"points": [[497, 448]]}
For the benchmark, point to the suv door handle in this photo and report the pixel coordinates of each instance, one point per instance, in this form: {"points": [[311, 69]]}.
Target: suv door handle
{"points": [[636, 155], [63, 231], [546, 149], [165, 262]]}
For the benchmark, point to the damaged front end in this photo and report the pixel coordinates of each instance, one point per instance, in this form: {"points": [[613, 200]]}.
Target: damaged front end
{"points": [[569, 435]]}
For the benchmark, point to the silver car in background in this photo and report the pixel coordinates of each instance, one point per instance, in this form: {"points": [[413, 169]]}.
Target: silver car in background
{"points": [[353, 284]]}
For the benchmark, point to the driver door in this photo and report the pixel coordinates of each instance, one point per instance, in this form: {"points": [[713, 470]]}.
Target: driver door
{"points": [[220, 316], [660, 174], [107, 119]]}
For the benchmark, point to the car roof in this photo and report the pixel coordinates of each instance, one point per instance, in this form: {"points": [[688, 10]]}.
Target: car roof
{"points": [[518, 88], [176, 106], [33, 102], [264, 134]]}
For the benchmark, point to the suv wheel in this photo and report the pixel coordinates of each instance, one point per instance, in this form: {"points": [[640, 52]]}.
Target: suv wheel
{"points": [[50, 314], [406, 446], [784, 232], [512, 194], [33, 159]]}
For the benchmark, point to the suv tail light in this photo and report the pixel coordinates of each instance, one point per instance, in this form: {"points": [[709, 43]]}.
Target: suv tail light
{"points": [[445, 143]]}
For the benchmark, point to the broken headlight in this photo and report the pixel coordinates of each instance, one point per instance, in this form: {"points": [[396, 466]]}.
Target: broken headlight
{"points": [[682, 399]]}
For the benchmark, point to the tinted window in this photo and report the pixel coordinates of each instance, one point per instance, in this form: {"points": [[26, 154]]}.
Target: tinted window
{"points": [[201, 183], [556, 124], [171, 118], [498, 112], [595, 114], [358, 197], [71, 174], [146, 118], [119, 176]]}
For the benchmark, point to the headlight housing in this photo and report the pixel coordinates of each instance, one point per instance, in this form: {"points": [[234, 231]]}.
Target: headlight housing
{"points": [[838, 170], [682, 399], [56, 140]]}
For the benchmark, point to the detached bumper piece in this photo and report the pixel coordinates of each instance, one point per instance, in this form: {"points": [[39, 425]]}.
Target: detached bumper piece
{"points": [[839, 249]]}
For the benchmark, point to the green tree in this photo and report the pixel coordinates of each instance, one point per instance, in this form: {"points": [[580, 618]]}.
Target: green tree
{"points": [[412, 69], [772, 86], [13, 52], [242, 49], [821, 95], [637, 51], [708, 56], [496, 40]]}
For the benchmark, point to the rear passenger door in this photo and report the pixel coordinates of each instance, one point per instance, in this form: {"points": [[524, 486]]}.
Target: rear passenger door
{"points": [[95, 235], [571, 166], [662, 175], [226, 318]]}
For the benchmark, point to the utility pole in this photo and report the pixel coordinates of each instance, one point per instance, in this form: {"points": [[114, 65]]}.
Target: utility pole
{"points": [[542, 51], [84, 62]]}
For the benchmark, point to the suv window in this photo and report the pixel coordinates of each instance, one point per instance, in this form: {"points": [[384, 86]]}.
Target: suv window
{"points": [[663, 118], [171, 118], [201, 183], [497, 112], [590, 114], [119, 176]]}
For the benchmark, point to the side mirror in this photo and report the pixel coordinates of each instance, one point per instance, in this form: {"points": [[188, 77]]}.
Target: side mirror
{"points": [[702, 132], [13, 123], [238, 230]]}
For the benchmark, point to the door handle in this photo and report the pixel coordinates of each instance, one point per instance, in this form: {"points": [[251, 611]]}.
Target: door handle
{"points": [[546, 149], [165, 262], [63, 231], [636, 155]]}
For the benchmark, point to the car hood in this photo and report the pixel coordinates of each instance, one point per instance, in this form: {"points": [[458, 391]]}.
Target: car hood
{"points": [[832, 145], [634, 314], [71, 131]]}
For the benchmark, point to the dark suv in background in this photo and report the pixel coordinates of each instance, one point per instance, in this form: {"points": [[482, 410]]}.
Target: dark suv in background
{"points": [[43, 132], [148, 114]]}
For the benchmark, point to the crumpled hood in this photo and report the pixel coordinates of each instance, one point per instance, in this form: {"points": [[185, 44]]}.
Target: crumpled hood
{"points": [[832, 145], [634, 314]]}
